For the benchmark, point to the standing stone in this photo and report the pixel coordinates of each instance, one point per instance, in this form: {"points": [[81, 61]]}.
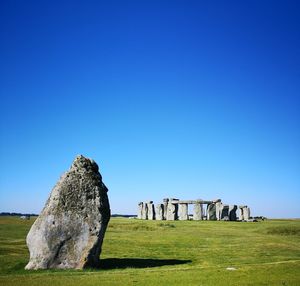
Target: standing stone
{"points": [[172, 210], [241, 213], [140, 210], [204, 212], [232, 212], [151, 211], [145, 211], [165, 201], [159, 214], [211, 212], [183, 212], [246, 212], [197, 212], [219, 208], [225, 212], [70, 229]]}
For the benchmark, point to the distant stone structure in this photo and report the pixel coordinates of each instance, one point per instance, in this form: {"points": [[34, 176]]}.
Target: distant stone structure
{"points": [[244, 213], [175, 209], [69, 231]]}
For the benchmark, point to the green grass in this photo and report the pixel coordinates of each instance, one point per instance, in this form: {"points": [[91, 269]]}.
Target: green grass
{"points": [[169, 253]]}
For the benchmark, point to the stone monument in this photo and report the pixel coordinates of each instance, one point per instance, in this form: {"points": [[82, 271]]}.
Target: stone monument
{"points": [[175, 209], [70, 229]]}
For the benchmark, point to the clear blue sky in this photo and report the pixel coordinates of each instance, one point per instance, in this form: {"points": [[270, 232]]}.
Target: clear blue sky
{"points": [[187, 99]]}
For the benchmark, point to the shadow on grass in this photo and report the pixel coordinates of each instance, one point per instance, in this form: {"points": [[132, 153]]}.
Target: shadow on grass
{"points": [[105, 264], [117, 263]]}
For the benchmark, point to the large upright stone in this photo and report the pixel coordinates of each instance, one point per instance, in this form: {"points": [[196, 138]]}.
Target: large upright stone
{"points": [[183, 212], [165, 202], [151, 211], [70, 229], [241, 213], [211, 212], [197, 212], [232, 212], [140, 210], [246, 212], [225, 212], [145, 211], [159, 213], [219, 208], [172, 210]]}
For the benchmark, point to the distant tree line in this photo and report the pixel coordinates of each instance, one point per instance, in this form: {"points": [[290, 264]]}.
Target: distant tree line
{"points": [[22, 214], [121, 215], [16, 214]]}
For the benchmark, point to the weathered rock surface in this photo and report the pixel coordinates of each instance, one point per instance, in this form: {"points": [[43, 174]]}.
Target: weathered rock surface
{"points": [[211, 212], [197, 212], [70, 229], [172, 210], [151, 211], [232, 212], [159, 214], [225, 211], [145, 211], [183, 212], [165, 203], [246, 213], [241, 213], [219, 208], [140, 210]]}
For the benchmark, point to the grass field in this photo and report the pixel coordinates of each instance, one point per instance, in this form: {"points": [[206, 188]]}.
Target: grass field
{"points": [[169, 253]]}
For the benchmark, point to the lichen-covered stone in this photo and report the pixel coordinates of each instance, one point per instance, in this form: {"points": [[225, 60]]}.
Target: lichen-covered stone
{"points": [[172, 210], [183, 212], [70, 229], [145, 211], [246, 212], [198, 212], [211, 212], [140, 210], [151, 211], [159, 213]]}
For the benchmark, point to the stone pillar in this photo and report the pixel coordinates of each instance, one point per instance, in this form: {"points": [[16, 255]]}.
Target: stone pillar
{"points": [[145, 211], [165, 208], [246, 212], [151, 211], [183, 212], [197, 212], [225, 212], [211, 212], [204, 211], [159, 215], [232, 212], [241, 213], [219, 208], [140, 210], [172, 210]]}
